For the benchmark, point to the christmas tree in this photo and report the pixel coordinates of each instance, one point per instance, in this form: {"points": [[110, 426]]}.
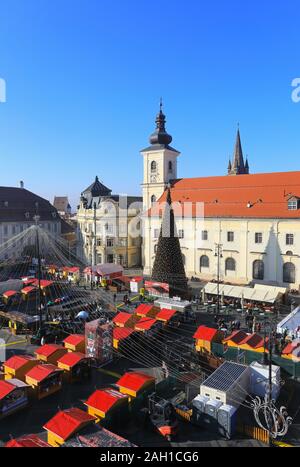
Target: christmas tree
{"points": [[168, 265]]}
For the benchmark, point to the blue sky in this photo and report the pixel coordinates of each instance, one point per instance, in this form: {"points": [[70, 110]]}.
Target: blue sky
{"points": [[84, 78]]}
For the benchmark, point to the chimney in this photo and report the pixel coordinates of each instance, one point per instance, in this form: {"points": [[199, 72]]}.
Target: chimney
{"points": [[21, 184]]}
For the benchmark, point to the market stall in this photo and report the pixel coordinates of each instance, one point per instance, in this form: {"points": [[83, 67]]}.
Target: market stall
{"points": [[13, 396], [167, 316], [125, 320], [121, 335], [134, 384], [75, 343], [106, 403], [75, 365], [27, 441], [65, 424], [147, 310], [50, 353], [44, 380], [18, 365]]}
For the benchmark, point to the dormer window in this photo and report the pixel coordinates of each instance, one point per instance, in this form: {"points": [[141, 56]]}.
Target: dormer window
{"points": [[293, 204]]}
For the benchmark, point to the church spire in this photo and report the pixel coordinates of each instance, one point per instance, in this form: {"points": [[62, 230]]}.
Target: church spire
{"points": [[160, 136], [238, 166]]}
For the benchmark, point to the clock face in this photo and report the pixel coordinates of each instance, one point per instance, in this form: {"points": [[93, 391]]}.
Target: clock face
{"points": [[153, 178]]}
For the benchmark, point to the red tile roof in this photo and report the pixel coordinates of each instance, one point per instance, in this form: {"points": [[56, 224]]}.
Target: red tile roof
{"points": [[104, 399], [205, 333], [74, 339], [134, 381], [67, 422], [165, 314], [17, 361], [71, 358], [145, 324], [28, 441], [48, 349], [228, 196], [143, 309], [122, 318], [237, 337], [41, 372], [6, 388], [122, 333]]}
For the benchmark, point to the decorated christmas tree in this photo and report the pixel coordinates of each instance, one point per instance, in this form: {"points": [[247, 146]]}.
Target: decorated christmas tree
{"points": [[168, 265]]}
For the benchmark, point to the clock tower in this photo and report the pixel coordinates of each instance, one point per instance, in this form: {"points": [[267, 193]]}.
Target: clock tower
{"points": [[160, 162]]}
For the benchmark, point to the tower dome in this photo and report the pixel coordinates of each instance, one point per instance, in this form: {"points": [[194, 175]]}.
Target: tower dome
{"points": [[160, 136]]}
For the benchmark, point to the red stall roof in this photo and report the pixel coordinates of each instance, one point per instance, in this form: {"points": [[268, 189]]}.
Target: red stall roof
{"points": [[104, 399], [122, 333], [28, 289], [10, 293], [43, 282], [28, 441], [237, 337], [254, 341], [134, 381], [41, 372], [67, 422], [6, 388], [290, 348], [165, 314], [145, 323], [72, 358], [143, 309], [17, 361], [74, 339], [205, 333], [48, 349], [122, 318]]}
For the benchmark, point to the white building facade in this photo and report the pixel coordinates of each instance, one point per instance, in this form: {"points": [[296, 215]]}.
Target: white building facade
{"points": [[246, 228]]}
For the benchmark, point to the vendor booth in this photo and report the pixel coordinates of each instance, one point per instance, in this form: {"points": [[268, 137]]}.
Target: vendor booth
{"points": [[125, 320], [103, 273], [18, 365], [65, 424], [136, 384], [75, 365], [75, 343], [13, 396], [121, 335], [136, 284], [50, 353], [167, 316], [44, 380], [27, 441], [106, 403], [147, 310], [11, 296]]}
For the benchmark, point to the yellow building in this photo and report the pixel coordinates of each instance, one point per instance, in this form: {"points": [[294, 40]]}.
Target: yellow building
{"points": [[18, 365], [50, 353], [133, 384], [106, 402], [205, 336], [44, 380], [75, 343]]}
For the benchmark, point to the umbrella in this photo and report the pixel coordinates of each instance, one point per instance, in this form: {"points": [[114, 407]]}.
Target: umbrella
{"points": [[83, 315]]}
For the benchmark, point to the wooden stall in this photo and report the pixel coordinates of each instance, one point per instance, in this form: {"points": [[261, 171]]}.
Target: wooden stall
{"points": [[147, 310], [27, 441], [44, 380], [18, 365], [65, 424], [135, 383], [205, 336], [50, 353], [121, 335], [125, 320], [75, 343], [167, 316], [13, 397], [107, 403]]}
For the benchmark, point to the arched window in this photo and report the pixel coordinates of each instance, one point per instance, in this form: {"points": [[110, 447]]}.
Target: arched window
{"points": [[153, 166], [204, 262], [289, 253], [153, 199], [289, 273], [258, 270], [230, 264], [170, 166]]}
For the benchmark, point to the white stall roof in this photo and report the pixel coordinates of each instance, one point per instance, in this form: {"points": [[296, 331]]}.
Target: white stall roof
{"points": [[291, 322], [258, 293]]}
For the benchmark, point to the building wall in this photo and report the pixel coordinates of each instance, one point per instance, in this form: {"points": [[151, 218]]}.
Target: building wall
{"points": [[272, 251], [114, 243]]}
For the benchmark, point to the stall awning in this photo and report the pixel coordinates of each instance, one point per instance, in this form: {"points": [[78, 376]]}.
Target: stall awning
{"points": [[258, 293], [10, 293]]}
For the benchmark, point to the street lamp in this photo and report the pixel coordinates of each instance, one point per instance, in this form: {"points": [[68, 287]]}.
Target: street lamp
{"points": [[219, 255]]}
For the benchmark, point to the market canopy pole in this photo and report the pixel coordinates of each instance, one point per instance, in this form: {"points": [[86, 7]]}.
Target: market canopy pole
{"points": [[36, 219], [168, 264]]}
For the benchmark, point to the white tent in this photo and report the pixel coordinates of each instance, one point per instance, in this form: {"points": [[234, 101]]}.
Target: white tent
{"points": [[291, 322], [258, 293]]}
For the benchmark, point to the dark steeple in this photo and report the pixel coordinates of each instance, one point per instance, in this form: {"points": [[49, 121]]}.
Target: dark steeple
{"points": [[238, 166], [168, 265], [160, 136], [97, 189]]}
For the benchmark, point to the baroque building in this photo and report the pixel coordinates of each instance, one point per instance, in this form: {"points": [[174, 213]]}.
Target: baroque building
{"points": [[104, 232], [253, 220]]}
